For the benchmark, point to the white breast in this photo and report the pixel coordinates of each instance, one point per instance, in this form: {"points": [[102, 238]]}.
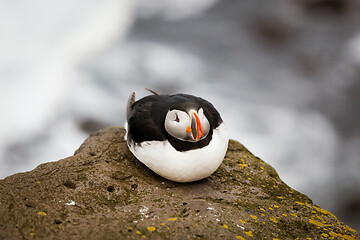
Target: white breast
{"points": [[186, 166]]}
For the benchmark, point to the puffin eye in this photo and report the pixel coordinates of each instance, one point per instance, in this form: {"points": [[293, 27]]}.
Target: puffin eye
{"points": [[177, 119]]}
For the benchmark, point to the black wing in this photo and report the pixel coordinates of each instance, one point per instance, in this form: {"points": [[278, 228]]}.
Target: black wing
{"points": [[145, 117]]}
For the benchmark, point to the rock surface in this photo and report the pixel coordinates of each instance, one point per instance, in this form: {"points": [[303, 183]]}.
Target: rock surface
{"points": [[103, 192]]}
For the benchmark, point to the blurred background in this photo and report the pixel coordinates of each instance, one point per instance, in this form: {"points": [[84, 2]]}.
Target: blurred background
{"points": [[285, 75]]}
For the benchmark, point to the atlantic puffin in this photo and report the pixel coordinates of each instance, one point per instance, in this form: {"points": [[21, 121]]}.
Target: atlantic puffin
{"points": [[180, 137]]}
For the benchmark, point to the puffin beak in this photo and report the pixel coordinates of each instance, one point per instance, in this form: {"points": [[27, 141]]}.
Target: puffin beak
{"points": [[195, 127]]}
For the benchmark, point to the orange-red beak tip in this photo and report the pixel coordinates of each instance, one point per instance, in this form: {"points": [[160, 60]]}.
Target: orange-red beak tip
{"points": [[198, 127]]}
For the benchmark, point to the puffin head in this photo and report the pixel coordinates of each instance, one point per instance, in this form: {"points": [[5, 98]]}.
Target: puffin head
{"points": [[187, 125]]}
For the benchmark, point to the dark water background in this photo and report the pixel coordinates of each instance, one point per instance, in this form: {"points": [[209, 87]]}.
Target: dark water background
{"points": [[285, 75]]}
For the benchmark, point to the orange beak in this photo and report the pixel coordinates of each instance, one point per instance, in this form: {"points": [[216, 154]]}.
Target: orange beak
{"points": [[199, 128], [196, 128], [188, 129]]}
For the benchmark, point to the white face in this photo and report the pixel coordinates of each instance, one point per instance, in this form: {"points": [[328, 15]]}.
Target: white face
{"points": [[189, 126]]}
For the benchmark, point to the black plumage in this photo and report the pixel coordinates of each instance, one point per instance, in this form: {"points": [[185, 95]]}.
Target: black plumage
{"points": [[145, 119]]}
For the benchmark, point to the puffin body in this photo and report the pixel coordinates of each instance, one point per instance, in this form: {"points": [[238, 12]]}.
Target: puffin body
{"points": [[180, 137]]}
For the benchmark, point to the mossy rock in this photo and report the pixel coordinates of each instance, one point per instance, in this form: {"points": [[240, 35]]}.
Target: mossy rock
{"points": [[103, 192]]}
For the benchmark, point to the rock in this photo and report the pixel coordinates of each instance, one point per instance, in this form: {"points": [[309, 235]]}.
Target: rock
{"points": [[103, 192]]}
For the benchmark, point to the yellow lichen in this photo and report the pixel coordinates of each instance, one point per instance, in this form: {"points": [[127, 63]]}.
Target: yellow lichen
{"points": [[273, 219], [151, 228], [42, 213], [325, 212], [249, 233], [284, 214], [253, 217], [172, 219], [334, 235], [300, 203], [294, 214], [242, 221], [240, 237], [325, 235], [320, 224], [225, 226], [347, 237], [276, 206], [349, 229], [262, 209], [138, 232], [243, 165]]}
